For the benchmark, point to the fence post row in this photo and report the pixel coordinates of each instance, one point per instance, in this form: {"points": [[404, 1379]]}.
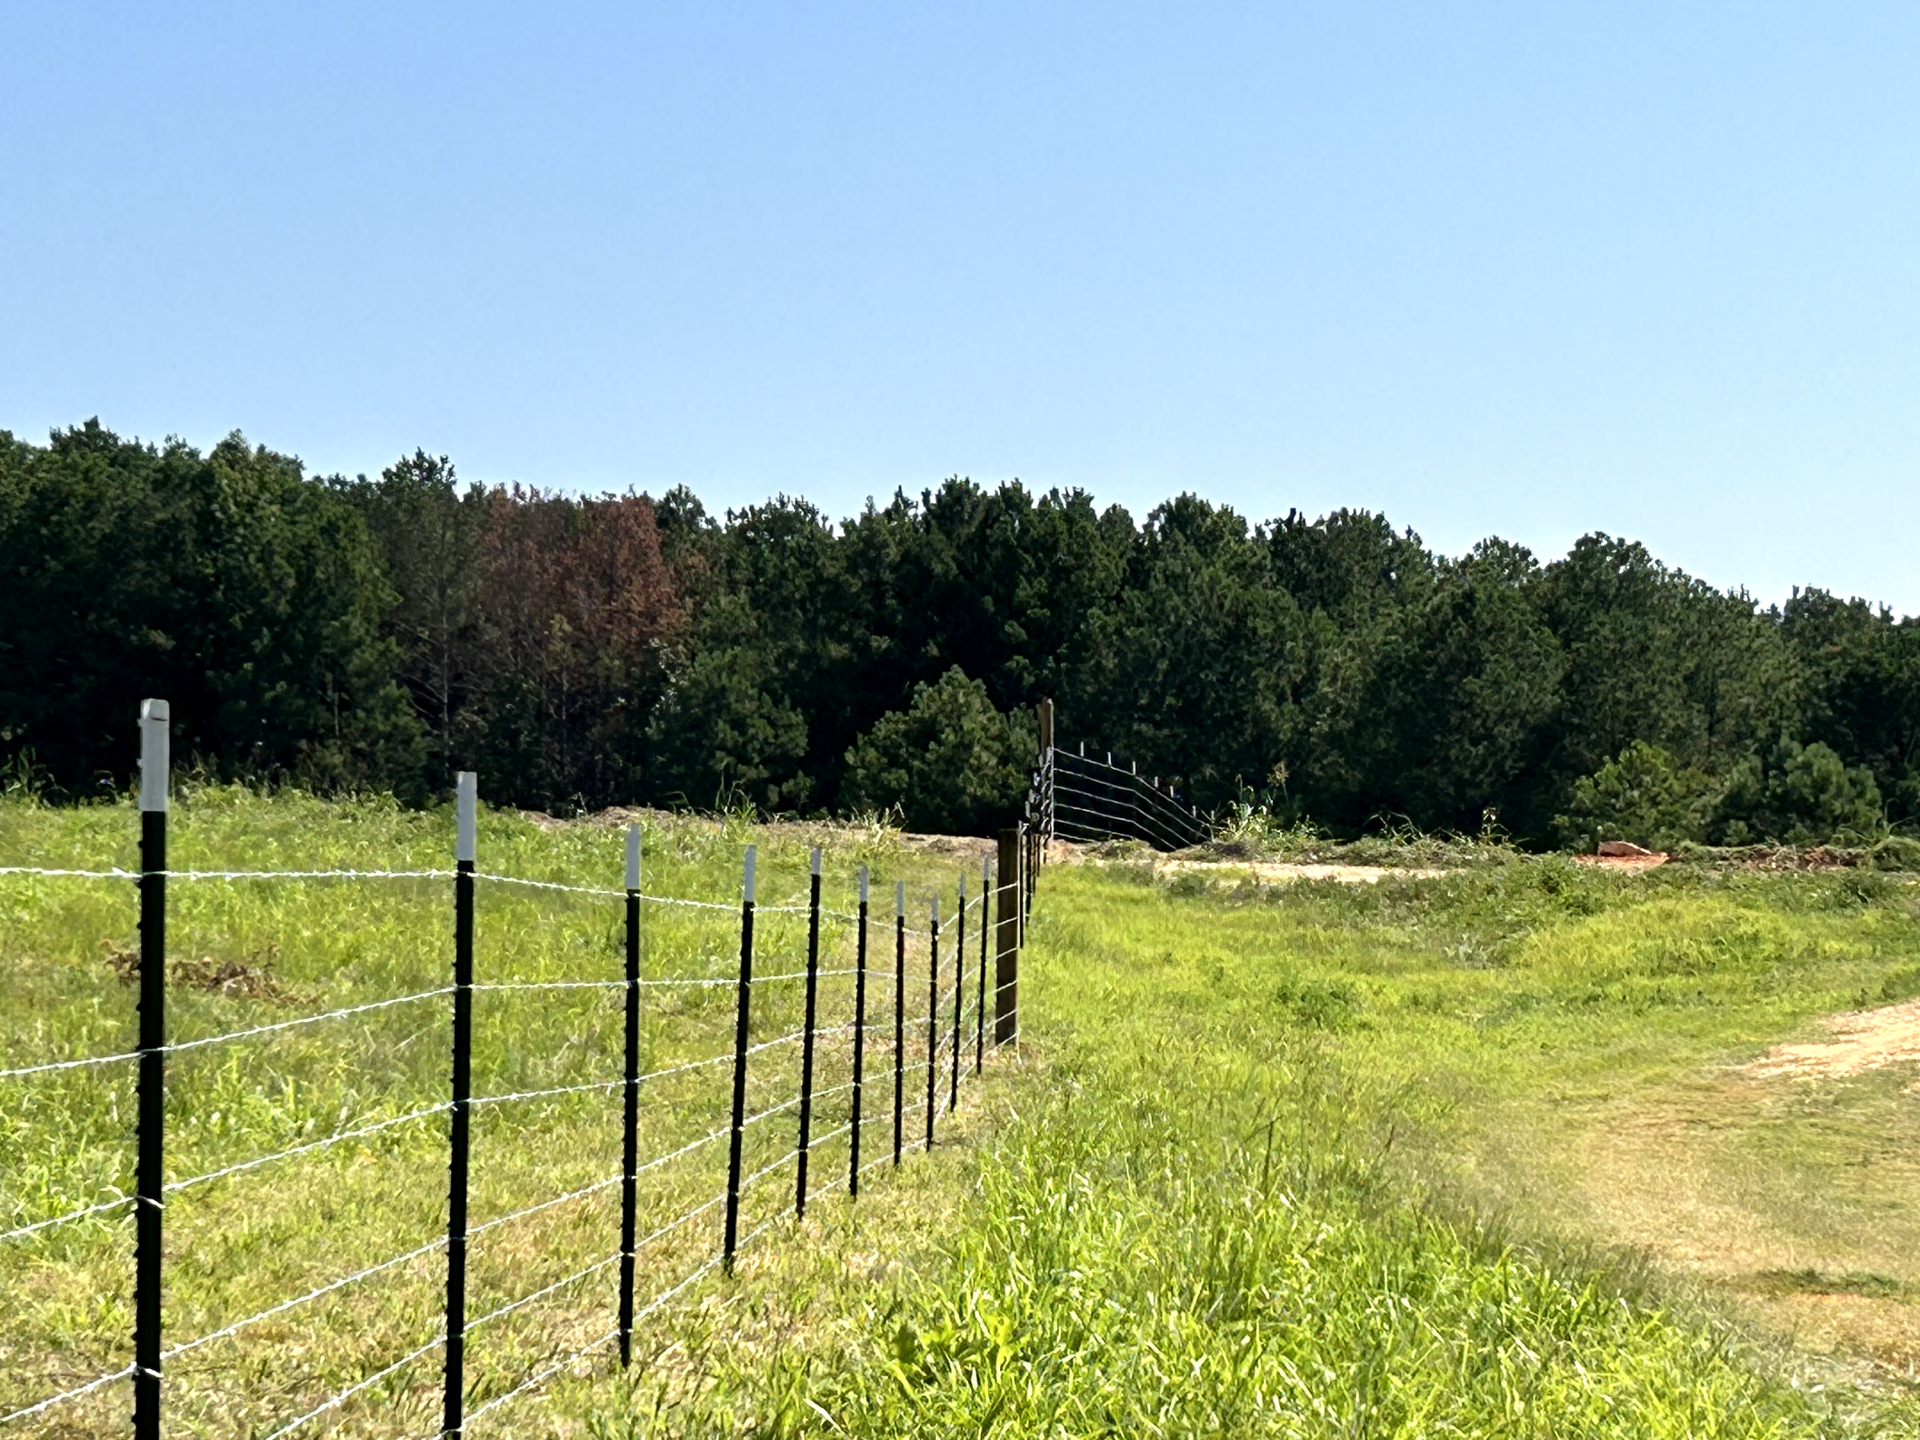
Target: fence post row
{"points": [[859, 1036], [155, 763], [899, 1005], [744, 1003], [806, 1043], [466, 796], [630, 1109], [1006, 891]]}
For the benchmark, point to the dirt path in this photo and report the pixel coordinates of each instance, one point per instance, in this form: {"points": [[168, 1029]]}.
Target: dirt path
{"points": [[1279, 870], [1863, 1040]]}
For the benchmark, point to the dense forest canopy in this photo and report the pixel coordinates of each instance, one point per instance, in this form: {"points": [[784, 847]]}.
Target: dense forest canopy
{"points": [[579, 652]]}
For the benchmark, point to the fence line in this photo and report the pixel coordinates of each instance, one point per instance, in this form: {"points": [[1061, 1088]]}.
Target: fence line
{"points": [[1103, 801], [904, 1053]]}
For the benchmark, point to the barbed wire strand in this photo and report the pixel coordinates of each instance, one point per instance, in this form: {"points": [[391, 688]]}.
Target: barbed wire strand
{"points": [[814, 1141], [645, 898], [116, 873], [185, 1045], [595, 1268], [549, 885], [307, 1019], [585, 1350], [602, 1084], [42, 872], [795, 975], [66, 1395], [586, 1190], [542, 1293], [544, 1094], [768, 1169], [606, 984], [285, 1305], [334, 1139], [334, 1401], [70, 1215], [68, 1064]]}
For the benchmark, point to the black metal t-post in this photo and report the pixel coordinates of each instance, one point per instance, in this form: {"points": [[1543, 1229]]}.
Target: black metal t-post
{"points": [[806, 1043], [959, 990], [466, 798], [743, 1007], [630, 1109], [859, 1036], [1006, 963], [155, 747], [933, 1012], [899, 1007], [986, 928]]}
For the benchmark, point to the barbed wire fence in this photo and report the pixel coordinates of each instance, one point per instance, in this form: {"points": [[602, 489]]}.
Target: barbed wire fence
{"points": [[929, 1031], [1077, 796]]}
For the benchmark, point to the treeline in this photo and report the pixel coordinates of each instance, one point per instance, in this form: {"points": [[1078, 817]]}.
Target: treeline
{"points": [[580, 652]]}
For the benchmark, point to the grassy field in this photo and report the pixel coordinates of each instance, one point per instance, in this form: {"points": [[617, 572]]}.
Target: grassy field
{"points": [[1471, 1155]]}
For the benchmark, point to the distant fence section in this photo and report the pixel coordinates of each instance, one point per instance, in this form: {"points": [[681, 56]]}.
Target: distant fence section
{"points": [[904, 1033], [1077, 796]]}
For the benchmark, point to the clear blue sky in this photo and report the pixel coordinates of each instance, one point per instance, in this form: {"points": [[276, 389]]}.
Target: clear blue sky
{"points": [[1520, 269]]}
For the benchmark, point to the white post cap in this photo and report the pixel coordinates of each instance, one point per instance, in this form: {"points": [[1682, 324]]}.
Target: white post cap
{"points": [[156, 747], [466, 799], [816, 860], [753, 854], [633, 857]]}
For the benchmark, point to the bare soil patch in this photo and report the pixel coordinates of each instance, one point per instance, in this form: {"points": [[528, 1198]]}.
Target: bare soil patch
{"points": [[1278, 870], [1623, 862], [1863, 1040], [1066, 852]]}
